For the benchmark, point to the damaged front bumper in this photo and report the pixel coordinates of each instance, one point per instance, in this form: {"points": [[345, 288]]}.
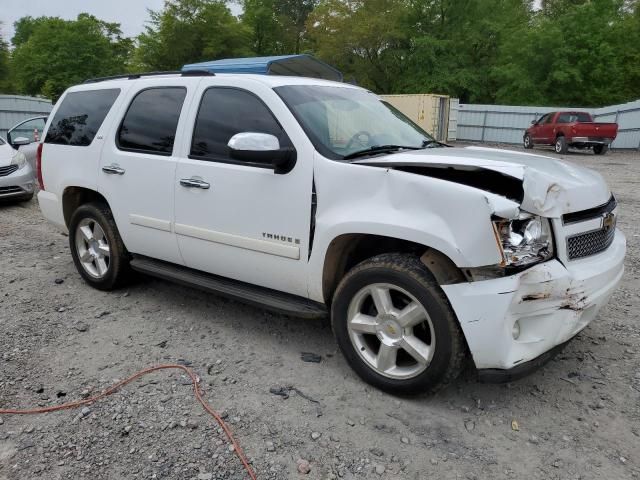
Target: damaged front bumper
{"points": [[550, 303]]}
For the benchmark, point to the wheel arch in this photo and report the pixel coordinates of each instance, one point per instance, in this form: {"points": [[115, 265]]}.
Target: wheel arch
{"points": [[73, 197], [348, 250]]}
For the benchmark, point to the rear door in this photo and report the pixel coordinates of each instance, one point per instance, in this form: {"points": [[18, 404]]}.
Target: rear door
{"points": [[247, 223], [137, 166]]}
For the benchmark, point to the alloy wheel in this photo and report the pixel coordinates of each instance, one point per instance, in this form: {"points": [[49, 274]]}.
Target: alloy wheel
{"points": [[391, 331], [92, 248]]}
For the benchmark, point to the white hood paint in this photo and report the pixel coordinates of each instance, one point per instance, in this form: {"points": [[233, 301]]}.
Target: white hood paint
{"points": [[551, 187], [6, 154]]}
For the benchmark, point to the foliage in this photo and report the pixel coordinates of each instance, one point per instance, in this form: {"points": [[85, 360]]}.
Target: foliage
{"points": [[51, 54], [278, 26], [548, 52], [188, 31], [5, 80]]}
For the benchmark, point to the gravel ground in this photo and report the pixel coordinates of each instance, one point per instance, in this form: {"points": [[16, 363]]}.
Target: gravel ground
{"points": [[60, 340]]}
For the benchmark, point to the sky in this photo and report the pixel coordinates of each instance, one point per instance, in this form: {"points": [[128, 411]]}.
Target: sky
{"points": [[130, 14]]}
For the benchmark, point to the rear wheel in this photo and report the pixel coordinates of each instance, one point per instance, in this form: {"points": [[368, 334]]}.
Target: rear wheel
{"points": [[96, 247], [561, 145], [600, 149], [395, 326], [528, 144]]}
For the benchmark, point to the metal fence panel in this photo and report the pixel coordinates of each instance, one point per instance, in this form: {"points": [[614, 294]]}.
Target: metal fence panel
{"points": [[506, 123], [15, 108]]}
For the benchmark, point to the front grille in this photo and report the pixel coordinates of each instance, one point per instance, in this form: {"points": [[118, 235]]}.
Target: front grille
{"points": [[7, 190], [589, 243], [8, 170]]}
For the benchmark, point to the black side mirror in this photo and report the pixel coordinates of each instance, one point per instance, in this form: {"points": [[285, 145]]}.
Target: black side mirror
{"points": [[533, 122]]}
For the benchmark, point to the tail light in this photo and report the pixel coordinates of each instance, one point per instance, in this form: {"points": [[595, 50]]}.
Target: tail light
{"points": [[39, 166]]}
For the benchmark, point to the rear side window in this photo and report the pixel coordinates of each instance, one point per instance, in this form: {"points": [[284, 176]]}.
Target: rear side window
{"points": [[150, 124], [80, 116], [225, 112]]}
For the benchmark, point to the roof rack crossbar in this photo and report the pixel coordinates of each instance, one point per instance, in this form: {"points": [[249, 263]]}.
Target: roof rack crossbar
{"points": [[135, 76]]}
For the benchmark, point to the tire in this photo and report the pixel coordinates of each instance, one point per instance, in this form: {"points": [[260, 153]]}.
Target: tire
{"points": [[114, 270], [600, 149], [409, 283], [527, 143], [561, 145]]}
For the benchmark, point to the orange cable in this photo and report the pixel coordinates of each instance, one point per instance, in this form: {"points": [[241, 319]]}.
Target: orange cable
{"points": [[122, 383]]}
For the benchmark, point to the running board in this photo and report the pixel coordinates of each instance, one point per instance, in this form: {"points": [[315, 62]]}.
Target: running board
{"points": [[244, 292]]}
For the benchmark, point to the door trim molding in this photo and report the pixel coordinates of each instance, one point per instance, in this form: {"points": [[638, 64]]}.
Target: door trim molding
{"points": [[150, 222], [246, 243]]}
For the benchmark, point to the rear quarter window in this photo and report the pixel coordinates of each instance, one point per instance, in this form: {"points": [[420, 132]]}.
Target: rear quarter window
{"points": [[79, 117]]}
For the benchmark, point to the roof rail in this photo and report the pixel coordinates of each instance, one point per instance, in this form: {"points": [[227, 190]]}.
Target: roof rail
{"points": [[135, 76]]}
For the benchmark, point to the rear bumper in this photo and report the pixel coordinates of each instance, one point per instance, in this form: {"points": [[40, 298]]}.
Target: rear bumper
{"points": [[590, 140], [18, 185], [51, 208], [550, 302]]}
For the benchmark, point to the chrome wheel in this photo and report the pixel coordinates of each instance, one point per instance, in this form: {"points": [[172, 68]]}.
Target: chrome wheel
{"points": [[527, 141], [558, 147], [92, 247], [391, 331]]}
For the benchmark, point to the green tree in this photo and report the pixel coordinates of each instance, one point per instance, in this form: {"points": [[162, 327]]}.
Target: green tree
{"points": [[5, 81], [52, 54], [578, 53], [187, 31], [366, 39], [278, 26]]}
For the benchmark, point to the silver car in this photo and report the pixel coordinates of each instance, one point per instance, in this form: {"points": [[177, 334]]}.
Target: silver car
{"points": [[17, 176]]}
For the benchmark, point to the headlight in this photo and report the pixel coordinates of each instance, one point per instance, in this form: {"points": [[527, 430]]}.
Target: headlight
{"points": [[19, 159], [525, 240]]}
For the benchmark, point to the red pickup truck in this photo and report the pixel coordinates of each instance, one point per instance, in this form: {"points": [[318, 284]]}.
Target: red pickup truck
{"points": [[570, 129]]}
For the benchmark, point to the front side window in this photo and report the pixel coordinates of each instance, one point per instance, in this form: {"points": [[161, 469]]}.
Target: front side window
{"points": [[80, 116], [342, 121], [225, 112], [150, 124]]}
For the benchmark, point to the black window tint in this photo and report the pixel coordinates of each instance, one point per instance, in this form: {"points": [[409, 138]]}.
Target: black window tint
{"points": [[151, 121], [80, 116], [225, 112]]}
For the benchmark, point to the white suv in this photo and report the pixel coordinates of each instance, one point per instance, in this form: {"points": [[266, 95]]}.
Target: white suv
{"points": [[316, 198]]}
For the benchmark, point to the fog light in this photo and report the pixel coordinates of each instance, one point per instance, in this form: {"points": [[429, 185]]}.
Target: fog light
{"points": [[515, 330]]}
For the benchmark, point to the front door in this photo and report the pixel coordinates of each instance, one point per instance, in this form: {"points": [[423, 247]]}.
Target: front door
{"points": [[242, 220]]}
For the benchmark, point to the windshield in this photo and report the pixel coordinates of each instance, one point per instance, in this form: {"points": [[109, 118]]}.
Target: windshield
{"points": [[344, 121]]}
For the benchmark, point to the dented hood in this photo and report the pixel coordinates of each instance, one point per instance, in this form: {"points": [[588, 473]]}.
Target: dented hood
{"points": [[546, 186]]}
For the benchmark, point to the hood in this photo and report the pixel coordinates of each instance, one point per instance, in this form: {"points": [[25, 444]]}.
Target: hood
{"points": [[542, 185], [6, 154]]}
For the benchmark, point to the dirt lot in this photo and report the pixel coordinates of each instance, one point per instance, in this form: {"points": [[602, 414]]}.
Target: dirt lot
{"points": [[578, 418]]}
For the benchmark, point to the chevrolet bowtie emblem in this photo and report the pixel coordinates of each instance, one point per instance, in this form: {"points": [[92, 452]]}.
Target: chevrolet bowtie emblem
{"points": [[609, 221]]}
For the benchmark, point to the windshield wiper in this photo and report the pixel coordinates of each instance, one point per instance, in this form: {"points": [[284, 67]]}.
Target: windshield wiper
{"points": [[429, 143], [379, 149]]}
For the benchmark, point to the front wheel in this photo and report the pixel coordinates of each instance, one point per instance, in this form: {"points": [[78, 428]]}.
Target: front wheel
{"points": [[96, 247], [600, 149], [528, 144], [395, 326]]}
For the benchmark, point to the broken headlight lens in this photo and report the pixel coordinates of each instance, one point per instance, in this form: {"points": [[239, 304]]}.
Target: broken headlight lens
{"points": [[525, 240]]}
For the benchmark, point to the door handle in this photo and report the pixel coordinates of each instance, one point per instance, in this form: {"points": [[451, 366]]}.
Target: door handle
{"points": [[194, 183], [113, 169]]}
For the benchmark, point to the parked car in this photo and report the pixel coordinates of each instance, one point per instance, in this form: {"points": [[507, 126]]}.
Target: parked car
{"points": [[17, 178], [25, 137], [316, 198], [570, 129]]}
